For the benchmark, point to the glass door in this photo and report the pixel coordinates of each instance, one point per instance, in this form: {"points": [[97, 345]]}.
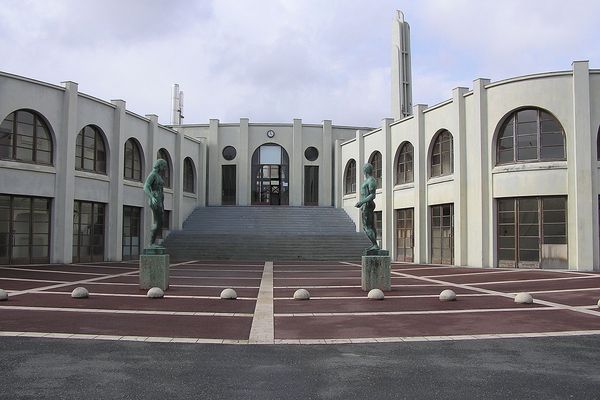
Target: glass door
{"points": [[228, 185], [311, 185]]}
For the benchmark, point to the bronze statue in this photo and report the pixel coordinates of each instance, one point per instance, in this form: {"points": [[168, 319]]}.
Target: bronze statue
{"points": [[367, 205], [153, 187]]}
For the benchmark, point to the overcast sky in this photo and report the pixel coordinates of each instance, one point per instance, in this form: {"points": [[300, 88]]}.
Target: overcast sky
{"points": [[275, 60]]}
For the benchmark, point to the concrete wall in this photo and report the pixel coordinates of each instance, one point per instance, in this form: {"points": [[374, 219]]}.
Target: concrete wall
{"points": [[473, 118]]}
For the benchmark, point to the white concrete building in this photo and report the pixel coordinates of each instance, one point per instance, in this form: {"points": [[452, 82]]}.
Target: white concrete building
{"points": [[505, 174]]}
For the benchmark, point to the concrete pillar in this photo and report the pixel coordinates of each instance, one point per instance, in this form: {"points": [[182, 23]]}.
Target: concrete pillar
{"points": [[479, 184], [177, 216], [460, 177], [244, 169], [214, 167], [582, 207], [360, 176], [387, 206], [114, 230], [420, 221], [202, 180], [150, 155], [62, 214], [338, 177], [296, 170], [325, 166]]}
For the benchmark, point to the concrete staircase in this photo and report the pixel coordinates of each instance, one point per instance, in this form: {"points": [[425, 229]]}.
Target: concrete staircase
{"points": [[267, 233]]}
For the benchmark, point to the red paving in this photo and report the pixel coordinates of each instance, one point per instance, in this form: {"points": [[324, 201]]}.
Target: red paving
{"points": [[338, 309]]}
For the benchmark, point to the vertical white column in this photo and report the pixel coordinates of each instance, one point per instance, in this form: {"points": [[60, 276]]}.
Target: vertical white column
{"points": [[460, 177], [62, 206], [338, 180], [360, 176], [202, 176], [421, 231], [326, 165], [481, 229], [296, 171], [214, 167], [244, 170], [114, 234], [177, 217], [582, 206], [150, 155], [387, 214]]}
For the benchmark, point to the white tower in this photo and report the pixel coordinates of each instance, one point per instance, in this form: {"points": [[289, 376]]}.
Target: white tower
{"points": [[177, 103], [401, 74]]}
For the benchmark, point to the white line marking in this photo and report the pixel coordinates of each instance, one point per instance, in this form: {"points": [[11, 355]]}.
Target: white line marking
{"points": [[263, 328], [534, 280], [100, 266], [562, 290], [109, 311], [428, 312], [167, 296], [416, 296], [51, 271], [30, 280], [215, 277]]}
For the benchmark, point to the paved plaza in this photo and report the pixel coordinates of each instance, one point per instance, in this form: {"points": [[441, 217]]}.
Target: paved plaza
{"points": [[40, 304]]}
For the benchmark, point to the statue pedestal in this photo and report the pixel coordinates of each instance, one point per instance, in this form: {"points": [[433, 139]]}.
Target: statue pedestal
{"points": [[154, 268], [376, 272]]}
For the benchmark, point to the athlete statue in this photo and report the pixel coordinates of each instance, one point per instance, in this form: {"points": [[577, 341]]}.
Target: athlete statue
{"points": [[153, 187], [367, 205]]}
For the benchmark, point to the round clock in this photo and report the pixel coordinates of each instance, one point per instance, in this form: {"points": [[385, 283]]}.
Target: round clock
{"points": [[270, 133]]}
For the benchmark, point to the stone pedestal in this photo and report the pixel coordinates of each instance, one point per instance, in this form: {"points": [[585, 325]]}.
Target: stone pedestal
{"points": [[376, 272], [154, 269]]}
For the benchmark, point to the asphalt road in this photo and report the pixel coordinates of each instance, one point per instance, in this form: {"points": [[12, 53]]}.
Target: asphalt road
{"points": [[538, 368]]}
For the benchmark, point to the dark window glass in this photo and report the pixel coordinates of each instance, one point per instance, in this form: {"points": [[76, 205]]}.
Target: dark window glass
{"points": [[404, 235], [442, 234], [24, 230], [530, 135], [133, 161], [311, 153], [350, 177], [88, 231], [24, 136], [376, 162], [270, 174], [189, 172], [442, 155], [166, 174], [90, 152], [131, 232], [404, 164], [229, 153]]}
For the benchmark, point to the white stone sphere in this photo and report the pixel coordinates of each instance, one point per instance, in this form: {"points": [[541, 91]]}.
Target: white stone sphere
{"points": [[80, 293], [523, 298], [447, 295], [301, 294], [155, 293], [376, 294], [228, 294], [3, 295]]}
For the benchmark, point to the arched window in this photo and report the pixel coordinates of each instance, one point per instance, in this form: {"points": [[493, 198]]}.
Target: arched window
{"points": [[25, 136], [530, 135], [350, 177], [442, 155], [189, 172], [404, 164], [90, 151], [133, 161], [166, 174], [375, 161], [270, 175]]}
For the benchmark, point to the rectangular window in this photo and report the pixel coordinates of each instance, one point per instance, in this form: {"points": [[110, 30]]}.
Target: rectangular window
{"points": [[379, 226], [132, 217], [88, 231], [405, 235], [442, 234]]}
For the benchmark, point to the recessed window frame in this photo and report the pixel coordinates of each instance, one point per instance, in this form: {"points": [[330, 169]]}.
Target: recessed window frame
{"points": [[405, 164], [442, 149], [166, 174], [189, 176], [512, 123], [133, 169], [350, 177], [98, 147], [12, 128], [376, 160]]}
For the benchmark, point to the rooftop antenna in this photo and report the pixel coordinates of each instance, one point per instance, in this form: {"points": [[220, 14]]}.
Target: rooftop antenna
{"points": [[401, 69]]}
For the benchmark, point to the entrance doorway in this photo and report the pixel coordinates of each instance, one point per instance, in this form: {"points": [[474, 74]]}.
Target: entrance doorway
{"points": [[270, 165], [24, 230], [311, 185], [88, 231], [404, 235], [228, 185]]}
